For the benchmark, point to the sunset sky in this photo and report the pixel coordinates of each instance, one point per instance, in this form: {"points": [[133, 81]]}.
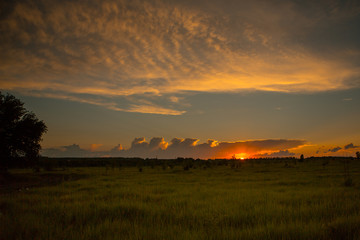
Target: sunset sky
{"points": [[181, 78]]}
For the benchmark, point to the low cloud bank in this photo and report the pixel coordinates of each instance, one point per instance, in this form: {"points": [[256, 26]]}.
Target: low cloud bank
{"points": [[281, 153], [335, 149], [346, 149], [179, 147], [350, 146]]}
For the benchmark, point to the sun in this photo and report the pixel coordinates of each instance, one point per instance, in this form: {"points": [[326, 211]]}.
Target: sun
{"points": [[241, 156]]}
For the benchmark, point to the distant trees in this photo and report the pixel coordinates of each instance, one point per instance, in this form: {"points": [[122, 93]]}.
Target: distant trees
{"points": [[20, 133], [358, 155], [301, 158]]}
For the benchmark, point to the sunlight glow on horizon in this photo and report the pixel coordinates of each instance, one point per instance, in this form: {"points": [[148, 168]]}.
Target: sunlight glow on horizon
{"points": [[242, 156]]}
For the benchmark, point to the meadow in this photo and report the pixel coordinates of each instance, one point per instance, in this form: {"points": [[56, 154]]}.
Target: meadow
{"points": [[313, 199]]}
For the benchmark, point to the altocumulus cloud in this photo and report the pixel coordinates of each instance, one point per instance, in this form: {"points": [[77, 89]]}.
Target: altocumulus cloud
{"points": [[108, 52], [179, 147]]}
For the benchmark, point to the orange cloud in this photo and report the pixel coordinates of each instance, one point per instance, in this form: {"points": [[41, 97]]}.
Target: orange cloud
{"points": [[153, 110], [119, 147], [122, 48]]}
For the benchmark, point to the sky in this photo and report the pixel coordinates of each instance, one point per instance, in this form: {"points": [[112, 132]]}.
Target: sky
{"points": [[181, 78]]}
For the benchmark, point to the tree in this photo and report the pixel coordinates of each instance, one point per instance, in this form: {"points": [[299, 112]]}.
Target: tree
{"points": [[301, 158], [20, 133], [358, 155]]}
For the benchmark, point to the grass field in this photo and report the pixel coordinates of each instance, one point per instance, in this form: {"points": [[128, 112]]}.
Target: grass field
{"points": [[307, 200]]}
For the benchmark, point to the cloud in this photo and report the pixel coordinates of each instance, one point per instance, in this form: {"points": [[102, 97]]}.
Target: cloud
{"points": [[157, 143], [95, 146], [179, 147], [123, 48], [141, 148], [255, 146], [73, 150], [153, 110], [133, 104], [174, 99], [335, 149], [183, 143], [117, 148], [139, 143], [350, 146], [281, 153]]}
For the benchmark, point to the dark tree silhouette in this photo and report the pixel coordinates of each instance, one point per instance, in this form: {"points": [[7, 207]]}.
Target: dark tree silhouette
{"points": [[20, 133], [301, 158], [358, 155]]}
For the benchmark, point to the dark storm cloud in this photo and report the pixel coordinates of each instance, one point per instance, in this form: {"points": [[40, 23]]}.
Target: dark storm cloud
{"points": [[152, 48], [188, 147]]}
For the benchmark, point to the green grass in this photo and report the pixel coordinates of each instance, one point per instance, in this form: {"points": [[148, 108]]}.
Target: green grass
{"points": [[257, 201]]}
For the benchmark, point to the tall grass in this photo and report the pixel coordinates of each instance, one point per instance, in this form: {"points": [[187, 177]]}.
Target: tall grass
{"points": [[256, 201]]}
